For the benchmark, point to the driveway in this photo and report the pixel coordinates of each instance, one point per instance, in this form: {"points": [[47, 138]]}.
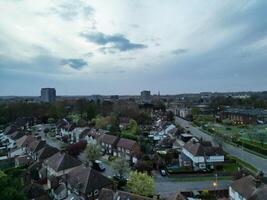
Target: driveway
{"points": [[259, 162]]}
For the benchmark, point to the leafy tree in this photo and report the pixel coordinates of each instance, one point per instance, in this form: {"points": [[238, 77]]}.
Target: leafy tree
{"points": [[141, 183], [93, 152], [132, 127], [121, 167], [77, 148], [144, 166], [2, 173], [10, 188]]}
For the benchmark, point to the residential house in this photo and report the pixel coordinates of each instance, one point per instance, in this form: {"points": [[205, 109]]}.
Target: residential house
{"points": [[127, 148], [35, 146], [202, 154], [108, 143], [45, 152], [23, 160], [58, 165], [248, 188], [78, 134], [108, 194], [21, 146], [60, 125], [87, 182], [94, 135]]}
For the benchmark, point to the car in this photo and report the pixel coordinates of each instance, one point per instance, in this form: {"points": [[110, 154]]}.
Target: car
{"points": [[163, 172], [99, 166]]}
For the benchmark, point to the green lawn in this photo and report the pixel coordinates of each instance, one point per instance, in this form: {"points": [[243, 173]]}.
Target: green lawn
{"points": [[231, 167], [243, 131]]}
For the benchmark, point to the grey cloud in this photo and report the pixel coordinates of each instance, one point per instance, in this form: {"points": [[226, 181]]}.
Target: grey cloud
{"points": [[179, 51], [128, 58], [72, 9], [74, 63], [117, 41]]}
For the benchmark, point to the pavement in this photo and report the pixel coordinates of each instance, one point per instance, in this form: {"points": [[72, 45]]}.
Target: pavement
{"points": [[259, 162]]}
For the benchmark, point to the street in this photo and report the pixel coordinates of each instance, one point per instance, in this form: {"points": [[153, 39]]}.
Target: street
{"points": [[259, 162], [165, 185]]}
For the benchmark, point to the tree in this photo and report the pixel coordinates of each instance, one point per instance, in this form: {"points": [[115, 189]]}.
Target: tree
{"points": [[141, 183], [77, 148], [121, 167], [2, 173], [144, 166], [93, 152], [11, 187]]}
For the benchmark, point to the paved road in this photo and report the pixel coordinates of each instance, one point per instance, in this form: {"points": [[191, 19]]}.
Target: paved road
{"points": [[259, 162], [166, 186]]}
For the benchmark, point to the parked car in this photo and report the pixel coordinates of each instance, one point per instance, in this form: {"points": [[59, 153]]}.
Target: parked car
{"points": [[163, 172], [98, 165]]}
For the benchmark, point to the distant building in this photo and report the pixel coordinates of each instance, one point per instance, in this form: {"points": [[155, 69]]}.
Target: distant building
{"points": [[145, 96], [185, 112], [246, 116], [48, 95]]}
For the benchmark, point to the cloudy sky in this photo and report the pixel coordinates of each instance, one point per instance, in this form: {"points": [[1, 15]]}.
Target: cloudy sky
{"points": [[124, 46]]}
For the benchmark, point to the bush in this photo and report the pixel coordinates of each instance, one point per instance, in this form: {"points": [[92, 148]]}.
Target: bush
{"points": [[253, 147]]}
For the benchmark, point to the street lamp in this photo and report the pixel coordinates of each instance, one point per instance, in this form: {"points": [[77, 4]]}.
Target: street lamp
{"points": [[215, 184]]}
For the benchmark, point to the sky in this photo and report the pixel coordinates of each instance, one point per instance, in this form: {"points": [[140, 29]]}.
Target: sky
{"points": [[84, 47]]}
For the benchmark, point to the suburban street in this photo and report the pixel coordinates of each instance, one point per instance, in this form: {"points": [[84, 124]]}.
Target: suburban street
{"points": [[259, 162], [165, 185]]}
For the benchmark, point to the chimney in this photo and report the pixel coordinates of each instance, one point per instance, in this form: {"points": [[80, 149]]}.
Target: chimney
{"points": [[258, 179]]}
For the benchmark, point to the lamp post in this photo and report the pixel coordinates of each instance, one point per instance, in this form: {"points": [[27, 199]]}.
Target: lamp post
{"points": [[215, 184]]}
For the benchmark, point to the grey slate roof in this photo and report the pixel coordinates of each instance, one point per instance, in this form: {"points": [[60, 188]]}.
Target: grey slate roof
{"points": [[246, 187], [46, 152], [61, 161], [126, 143], [87, 179], [202, 149]]}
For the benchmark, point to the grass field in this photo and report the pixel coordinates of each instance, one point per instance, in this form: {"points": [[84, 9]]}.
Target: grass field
{"points": [[246, 133]]}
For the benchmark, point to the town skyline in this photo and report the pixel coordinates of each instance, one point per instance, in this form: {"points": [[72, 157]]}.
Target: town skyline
{"points": [[122, 47]]}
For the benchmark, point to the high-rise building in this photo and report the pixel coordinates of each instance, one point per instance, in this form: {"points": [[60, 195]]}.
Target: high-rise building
{"points": [[48, 95], [145, 96]]}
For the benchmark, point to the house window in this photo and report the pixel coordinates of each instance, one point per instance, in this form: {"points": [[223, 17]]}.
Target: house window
{"points": [[95, 192]]}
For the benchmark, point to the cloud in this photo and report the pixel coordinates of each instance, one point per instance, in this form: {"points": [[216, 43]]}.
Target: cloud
{"points": [[179, 51], [112, 43], [75, 63]]}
